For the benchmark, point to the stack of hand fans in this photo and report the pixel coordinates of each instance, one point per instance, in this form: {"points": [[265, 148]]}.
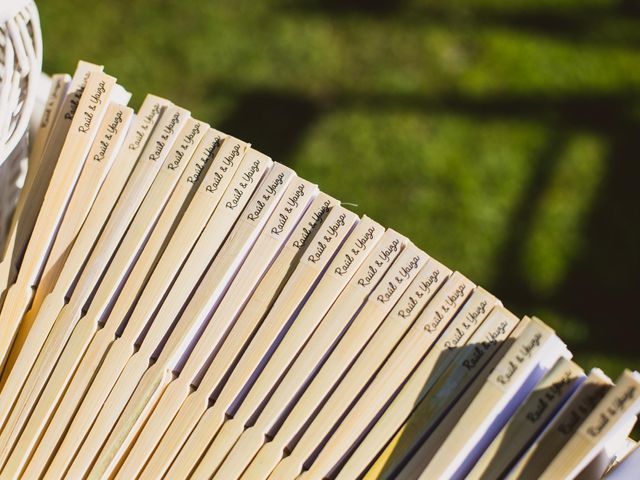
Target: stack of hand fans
{"points": [[176, 304]]}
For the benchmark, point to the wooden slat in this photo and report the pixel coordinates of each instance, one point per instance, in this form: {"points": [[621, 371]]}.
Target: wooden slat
{"points": [[494, 402], [257, 307], [189, 326], [128, 252], [46, 167], [283, 219], [67, 315], [206, 249], [318, 255], [83, 128]]}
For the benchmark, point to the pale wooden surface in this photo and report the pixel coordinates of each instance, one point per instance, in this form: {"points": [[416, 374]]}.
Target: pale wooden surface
{"points": [[318, 303], [205, 299], [206, 248], [71, 158], [60, 84], [495, 336], [525, 424], [544, 349], [617, 407], [109, 140], [136, 281], [348, 269], [565, 424], [58, 89], [399, 281], [64, 177], [125, 162], [292, 297], [302, 372], [252, 314], [431, 368], [47, 163], [178, 249], [397, 268], [168, 385], [105, 146], [289, 210], [77, 258], [107, 244], [162, 200], [416, 342]]}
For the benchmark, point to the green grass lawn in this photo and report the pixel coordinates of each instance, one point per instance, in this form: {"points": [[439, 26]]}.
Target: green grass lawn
{"points": [[502, 137]]}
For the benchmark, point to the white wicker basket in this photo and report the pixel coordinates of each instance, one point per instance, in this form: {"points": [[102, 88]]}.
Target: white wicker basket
{"points": [[20, 72]]}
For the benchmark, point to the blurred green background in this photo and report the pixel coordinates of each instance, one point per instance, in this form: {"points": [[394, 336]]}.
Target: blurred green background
{"points": [[502, 137]]}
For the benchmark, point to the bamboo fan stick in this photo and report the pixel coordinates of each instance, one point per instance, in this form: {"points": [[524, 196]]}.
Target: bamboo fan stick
{"points": [[374, 245], [84, 126], [252, 314], [85, 192], [562, 427], [205, 300], [154, 156], [59, 87], [72, 312], [47, 165], [397, 280], [251, 168], [60, 83], [286, 215], [419, 417], [614, 411], [208, 245], [179, 163], [106, 144], [7, 270], [145, 272], [525, 424], [324, 295], [135, 141], [418, 384], [411, 260], [355, 252], [456, 296], [319, 252], [104, 149], [450, 397], [396, 313], [50, 153], [206, 297], [532, 354]]}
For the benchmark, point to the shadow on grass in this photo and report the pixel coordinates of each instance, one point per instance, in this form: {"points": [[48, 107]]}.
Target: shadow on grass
{"points": [[600, 286], [587, 25], [276, 122], [601, 283]]}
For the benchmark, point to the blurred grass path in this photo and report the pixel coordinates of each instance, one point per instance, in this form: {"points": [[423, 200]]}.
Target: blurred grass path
{"points": [[502, 137]]}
